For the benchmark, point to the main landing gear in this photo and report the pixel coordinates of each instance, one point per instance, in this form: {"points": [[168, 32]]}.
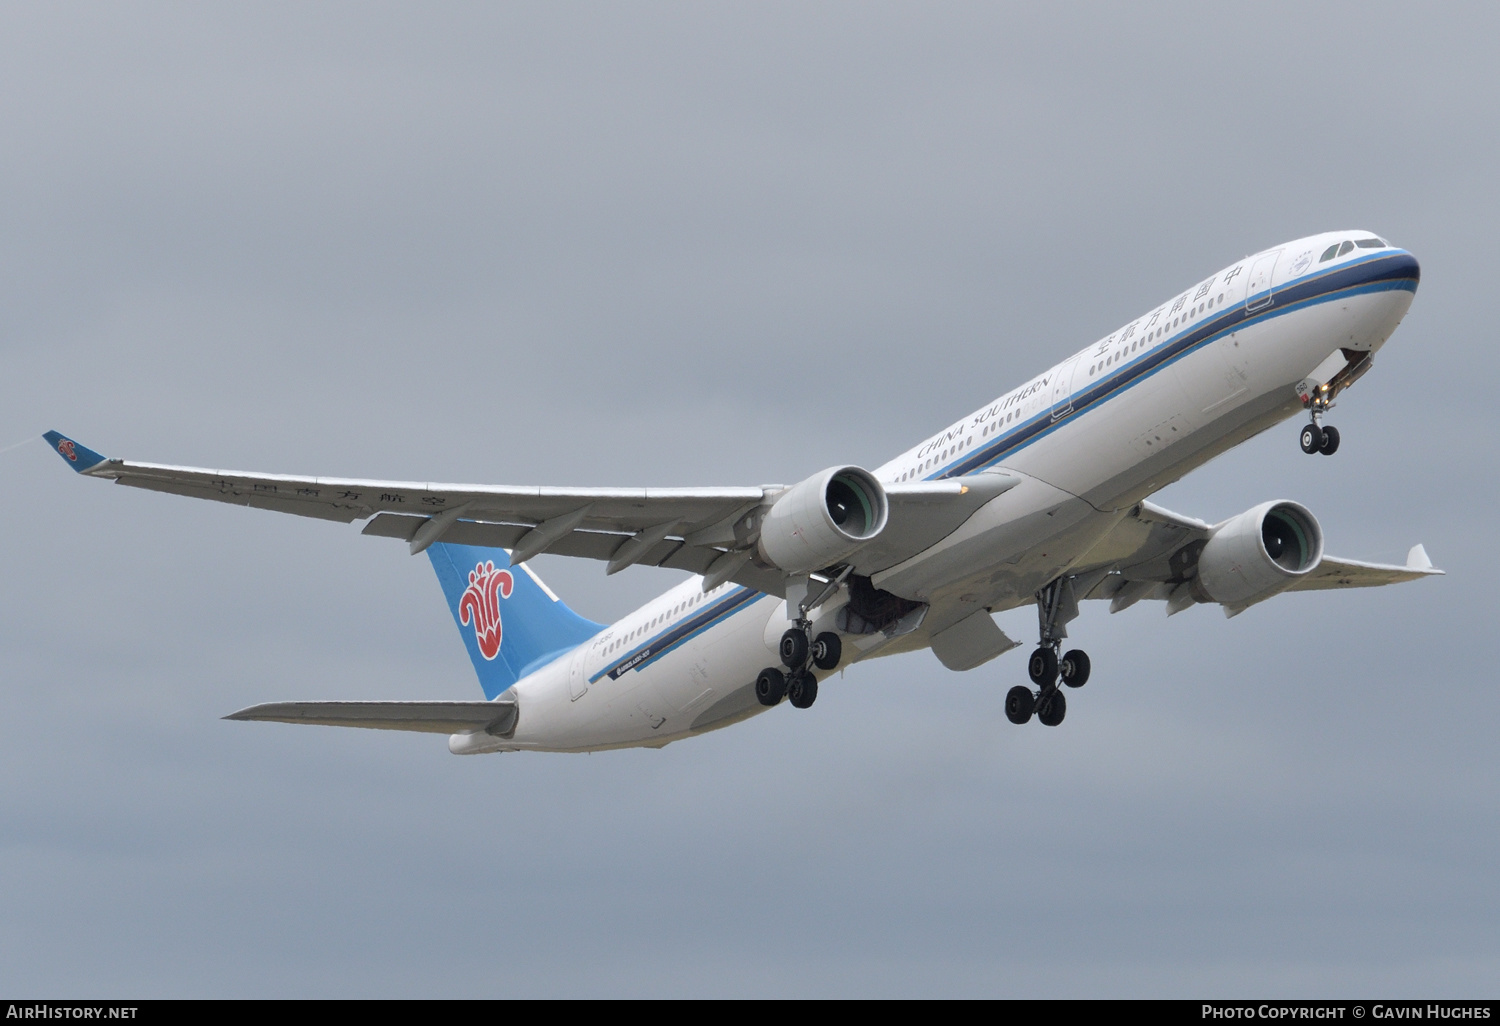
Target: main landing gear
{"points": [[1047, 670], [800, 655], [1049, 665]]}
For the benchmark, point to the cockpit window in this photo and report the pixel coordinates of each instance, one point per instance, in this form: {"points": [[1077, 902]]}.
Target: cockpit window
{"points": [[1345, 248], [1329, 253], [1369, 244]]}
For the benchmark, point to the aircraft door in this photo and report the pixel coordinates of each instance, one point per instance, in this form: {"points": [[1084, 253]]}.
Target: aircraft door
{"points": [[578, 682], [1258, 292], [1062, 387]]}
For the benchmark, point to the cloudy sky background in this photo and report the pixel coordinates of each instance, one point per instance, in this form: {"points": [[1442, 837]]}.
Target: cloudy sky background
{"points": [[718, 244]]}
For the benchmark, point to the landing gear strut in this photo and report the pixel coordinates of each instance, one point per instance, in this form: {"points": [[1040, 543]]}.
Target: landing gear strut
{"points": [[1056, 604]]}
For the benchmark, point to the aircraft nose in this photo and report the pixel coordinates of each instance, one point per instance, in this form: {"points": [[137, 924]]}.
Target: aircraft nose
{"points": [[1401, 266]]}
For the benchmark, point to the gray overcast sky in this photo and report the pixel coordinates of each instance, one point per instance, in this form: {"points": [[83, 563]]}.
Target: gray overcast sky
{"points": [[718, 244]]}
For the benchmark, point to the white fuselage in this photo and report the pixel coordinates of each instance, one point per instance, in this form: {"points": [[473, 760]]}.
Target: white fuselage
{"points": [[1089, 438]]}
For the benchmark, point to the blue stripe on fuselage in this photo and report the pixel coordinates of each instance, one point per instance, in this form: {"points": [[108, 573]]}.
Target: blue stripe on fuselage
{"points": [[676, 634], [1381, 272]]}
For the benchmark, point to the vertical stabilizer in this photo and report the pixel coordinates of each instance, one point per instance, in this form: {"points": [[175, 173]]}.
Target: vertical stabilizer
{"points": [[511, 623]]}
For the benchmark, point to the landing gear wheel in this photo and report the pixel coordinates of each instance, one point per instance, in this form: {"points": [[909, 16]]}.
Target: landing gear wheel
{"points": [[1019, 704], [794, 648], [1330, 443], [1043, 666], [770, 686], [1074, 668], [1312, 438], [827, 649], [1052, 708], [802, 689]]}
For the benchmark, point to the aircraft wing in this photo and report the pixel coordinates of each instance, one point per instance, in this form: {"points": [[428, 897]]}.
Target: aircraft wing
{"points": [[428, 717], [700, 530], [1334, 572], [1148, 554]]}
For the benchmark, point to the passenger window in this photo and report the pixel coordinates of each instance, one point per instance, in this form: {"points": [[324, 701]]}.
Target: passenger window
{"points": [[1329, 253], [1345, 248]]}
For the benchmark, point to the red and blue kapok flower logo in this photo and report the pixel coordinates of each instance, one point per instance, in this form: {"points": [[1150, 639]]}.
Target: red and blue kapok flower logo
{"points": [[65, 447], [480, 604]]}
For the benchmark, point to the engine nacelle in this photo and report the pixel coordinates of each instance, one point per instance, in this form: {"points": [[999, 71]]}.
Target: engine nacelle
{"points": [[1259, 553], [817, 523]]}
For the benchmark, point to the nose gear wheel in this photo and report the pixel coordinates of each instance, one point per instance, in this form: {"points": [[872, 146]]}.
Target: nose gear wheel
{"points": [[1312, 438]]}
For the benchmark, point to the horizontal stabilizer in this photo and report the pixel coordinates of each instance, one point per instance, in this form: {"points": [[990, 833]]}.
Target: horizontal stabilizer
{"points": [[429, 717]]}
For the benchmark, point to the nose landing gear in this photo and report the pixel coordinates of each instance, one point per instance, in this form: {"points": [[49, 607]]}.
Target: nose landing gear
{"points": [[1320, 437]]}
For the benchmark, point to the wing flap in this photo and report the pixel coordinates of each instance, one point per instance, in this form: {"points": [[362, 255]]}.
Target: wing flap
{"points": [[427, 717]]}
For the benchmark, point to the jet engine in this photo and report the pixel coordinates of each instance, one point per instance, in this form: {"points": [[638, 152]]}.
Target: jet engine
{"points": [[818, 522], [1259, 553]]}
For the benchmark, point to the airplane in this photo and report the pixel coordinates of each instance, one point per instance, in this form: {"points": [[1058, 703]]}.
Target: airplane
{"points": [[1040, 497]]}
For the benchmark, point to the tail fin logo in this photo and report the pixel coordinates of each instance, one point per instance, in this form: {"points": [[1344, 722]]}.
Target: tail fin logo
{"points": [[480, 605], [65, 446]]}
